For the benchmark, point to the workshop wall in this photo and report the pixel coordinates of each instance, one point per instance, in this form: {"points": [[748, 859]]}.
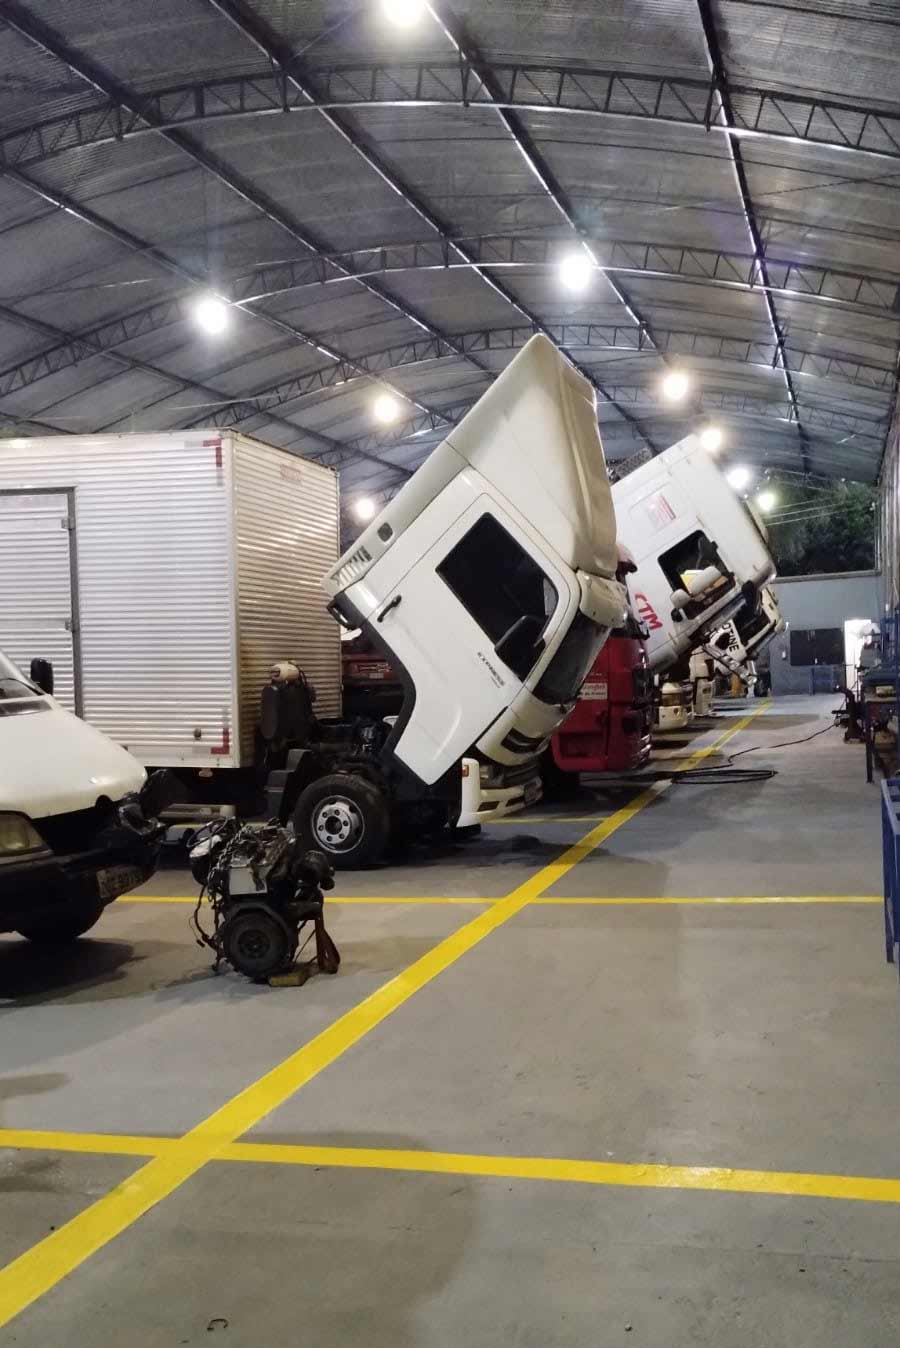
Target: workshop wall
{"points": [[889, 513], [819, 605]]}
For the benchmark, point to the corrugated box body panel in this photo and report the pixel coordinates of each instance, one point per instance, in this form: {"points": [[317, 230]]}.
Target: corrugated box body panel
{"points": [[155, 586], [286, 532], [37, 617]]}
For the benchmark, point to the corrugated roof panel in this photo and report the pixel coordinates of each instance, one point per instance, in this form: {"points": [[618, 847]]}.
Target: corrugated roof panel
{"points": [[315, 177], [32, 79], [465, 165], [809, 52], [97, 404], [648, 35], [151, 44], [643, 180], [56, 267]]}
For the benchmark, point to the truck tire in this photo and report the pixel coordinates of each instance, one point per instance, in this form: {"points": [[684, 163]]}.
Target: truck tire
{"points": [[66, 925], [346, 817]]}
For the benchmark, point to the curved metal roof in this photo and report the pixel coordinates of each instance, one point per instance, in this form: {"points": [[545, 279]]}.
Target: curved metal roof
{"points": [[387, 207]]}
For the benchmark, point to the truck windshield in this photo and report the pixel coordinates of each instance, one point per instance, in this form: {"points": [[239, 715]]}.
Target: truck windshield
{"points": [[569, 667], [13, 683]]}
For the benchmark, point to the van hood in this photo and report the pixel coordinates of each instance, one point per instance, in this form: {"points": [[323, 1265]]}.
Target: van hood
{"points": [[51, 762]]}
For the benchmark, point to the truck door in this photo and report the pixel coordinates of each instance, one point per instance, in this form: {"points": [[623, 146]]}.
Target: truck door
{"points": [[467, 624], [37, 585]]}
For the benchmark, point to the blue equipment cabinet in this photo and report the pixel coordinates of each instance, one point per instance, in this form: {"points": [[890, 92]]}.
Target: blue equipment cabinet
{"points": [[890, 841]]}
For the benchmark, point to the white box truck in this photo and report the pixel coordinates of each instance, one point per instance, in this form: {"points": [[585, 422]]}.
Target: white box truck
{"points": [[163, 575], [701, 553]]}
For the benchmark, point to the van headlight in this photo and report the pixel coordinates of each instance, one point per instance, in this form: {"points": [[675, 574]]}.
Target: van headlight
{"points": [[18, 834]]}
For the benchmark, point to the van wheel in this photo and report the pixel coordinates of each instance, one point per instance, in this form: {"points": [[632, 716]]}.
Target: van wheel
{"points": [[344, 816], [67, 925]]}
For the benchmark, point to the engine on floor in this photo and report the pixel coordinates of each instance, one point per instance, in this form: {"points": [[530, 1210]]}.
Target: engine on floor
{"points": [[263, 889]]}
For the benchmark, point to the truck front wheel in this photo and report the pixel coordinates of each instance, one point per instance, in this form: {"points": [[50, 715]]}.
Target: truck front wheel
{"points": [[66, 925], [344, 816]]}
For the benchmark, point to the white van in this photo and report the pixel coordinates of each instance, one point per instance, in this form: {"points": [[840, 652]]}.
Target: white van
{"points": [[701, 552], [489, 580], [76, 813]]}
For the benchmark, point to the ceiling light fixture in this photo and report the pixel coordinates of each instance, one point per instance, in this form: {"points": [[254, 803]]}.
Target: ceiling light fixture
{"points": [[766, 500], [711, 439], [211, 315], [403, 13], [739, 477], [364, 509], [675, 385], [385, 409], [576, 271]]}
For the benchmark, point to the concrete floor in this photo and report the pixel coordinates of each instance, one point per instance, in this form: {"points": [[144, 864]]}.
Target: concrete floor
{"points": [[751, 1037]]}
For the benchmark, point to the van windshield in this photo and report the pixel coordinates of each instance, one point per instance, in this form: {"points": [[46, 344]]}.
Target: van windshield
{"points": [[13, 683]]}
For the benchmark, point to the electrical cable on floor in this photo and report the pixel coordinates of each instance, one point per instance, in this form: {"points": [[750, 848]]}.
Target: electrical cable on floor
{"points": [[723, 774], [728, 774]]}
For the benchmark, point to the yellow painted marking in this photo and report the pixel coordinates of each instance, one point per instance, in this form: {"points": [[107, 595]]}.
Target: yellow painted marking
{"points": [[100, 1144], [548, 818], [714, 1178], [44, 1265], [717, 1179], [675, 901], [338, 898]]}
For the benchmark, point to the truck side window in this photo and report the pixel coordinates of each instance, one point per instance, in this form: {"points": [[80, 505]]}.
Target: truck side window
{"points": [[498, 583], [693, 553]]}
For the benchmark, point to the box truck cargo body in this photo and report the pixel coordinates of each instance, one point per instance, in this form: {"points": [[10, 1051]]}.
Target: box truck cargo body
{"points": [[164, 574]]}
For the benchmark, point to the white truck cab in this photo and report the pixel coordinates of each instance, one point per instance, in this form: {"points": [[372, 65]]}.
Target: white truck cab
{"points": [[76, 826], [701, 552], [489, 579]]}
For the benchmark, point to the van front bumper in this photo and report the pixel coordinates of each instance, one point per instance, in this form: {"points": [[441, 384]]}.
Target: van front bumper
{"points": [[44, 882]]}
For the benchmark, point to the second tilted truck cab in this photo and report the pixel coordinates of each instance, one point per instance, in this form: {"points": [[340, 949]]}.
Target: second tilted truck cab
{"points": [[701, 554]]}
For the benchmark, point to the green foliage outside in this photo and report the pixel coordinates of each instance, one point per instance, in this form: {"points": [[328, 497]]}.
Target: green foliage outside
{"points": [[834, 529]]}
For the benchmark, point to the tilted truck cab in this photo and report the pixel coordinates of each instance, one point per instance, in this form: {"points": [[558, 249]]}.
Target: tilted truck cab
{"points": [[489, 580], [701, 553], [742, 638]]}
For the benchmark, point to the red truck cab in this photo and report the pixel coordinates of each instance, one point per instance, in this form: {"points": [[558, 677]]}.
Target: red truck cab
{"points": [[608, 730]]}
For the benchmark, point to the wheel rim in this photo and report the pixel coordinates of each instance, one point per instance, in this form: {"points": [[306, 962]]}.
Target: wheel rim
{"points": [[338, 824]]}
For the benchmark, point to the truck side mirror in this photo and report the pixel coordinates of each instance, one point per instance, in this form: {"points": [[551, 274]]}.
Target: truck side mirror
{"points": [[520, 645], [42, 675]]}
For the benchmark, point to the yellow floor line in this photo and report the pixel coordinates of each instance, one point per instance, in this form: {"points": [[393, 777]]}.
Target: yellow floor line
{"points": [[40, 1268], [100, 1144], [675, 901], [337, 898], [715, 1179]]}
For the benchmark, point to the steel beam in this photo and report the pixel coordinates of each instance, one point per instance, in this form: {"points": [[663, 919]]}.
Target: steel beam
{"points": [[84, 347], [23, 22], [525, 87], [127, 102], [105, 337], [579, 336], [638, 396], [725, 112], [468, 52], [864, 292]]}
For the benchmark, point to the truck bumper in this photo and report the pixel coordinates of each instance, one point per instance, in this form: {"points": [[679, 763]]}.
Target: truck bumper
{"points": [[482, 804]]}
